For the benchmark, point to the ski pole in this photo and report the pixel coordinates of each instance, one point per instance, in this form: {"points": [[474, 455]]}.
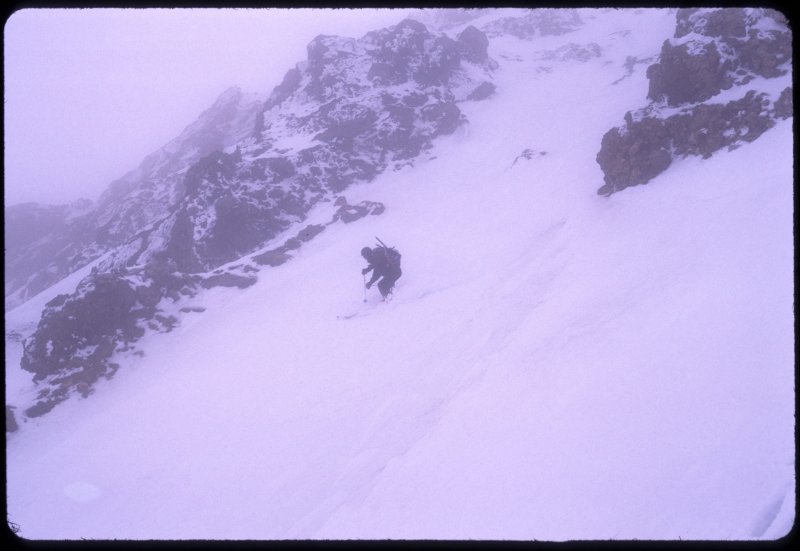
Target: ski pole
{"points": [[364, 276]]}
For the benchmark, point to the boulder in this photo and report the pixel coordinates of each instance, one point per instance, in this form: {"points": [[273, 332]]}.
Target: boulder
{"points": [[688, 74], [272, 258], [482, 91], [350, 213], [227, 279], [11, 421], [474, 44]]}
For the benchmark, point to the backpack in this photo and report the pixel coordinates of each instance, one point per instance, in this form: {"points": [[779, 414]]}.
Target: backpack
{"points": [[391, 255]]}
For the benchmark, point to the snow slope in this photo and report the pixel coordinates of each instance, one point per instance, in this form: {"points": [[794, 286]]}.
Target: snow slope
{"points": [[554, 365]]}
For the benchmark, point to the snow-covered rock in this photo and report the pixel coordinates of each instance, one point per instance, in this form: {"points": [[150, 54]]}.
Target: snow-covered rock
{"points": [[44, 243], [715, 49], [744, 52]]}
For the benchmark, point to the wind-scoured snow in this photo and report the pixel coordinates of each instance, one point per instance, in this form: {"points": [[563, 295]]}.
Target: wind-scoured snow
{"points": [[554, 364]]}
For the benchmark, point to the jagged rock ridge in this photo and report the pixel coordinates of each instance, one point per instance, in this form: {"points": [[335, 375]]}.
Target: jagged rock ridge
{"points": [[245, 172], [40, 246], [130, 205]]}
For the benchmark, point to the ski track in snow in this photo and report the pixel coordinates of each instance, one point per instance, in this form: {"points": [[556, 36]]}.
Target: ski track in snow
{"points": [[554, 365]]}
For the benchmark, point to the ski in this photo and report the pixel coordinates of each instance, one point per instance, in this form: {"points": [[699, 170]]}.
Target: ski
{"points": [[367, 310], [355, 314]]}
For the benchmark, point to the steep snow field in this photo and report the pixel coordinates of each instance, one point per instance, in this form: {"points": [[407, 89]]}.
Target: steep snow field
{"points": [[554, 364]]}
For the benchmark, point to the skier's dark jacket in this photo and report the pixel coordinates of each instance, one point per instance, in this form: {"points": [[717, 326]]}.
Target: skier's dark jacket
{"points": [[381, 268]]}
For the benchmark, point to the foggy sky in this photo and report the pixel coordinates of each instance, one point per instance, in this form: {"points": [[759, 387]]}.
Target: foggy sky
{"points": [[90, 92]]}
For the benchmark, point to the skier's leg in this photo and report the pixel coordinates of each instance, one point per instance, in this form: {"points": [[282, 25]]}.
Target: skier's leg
{"points": [[385, 286]]}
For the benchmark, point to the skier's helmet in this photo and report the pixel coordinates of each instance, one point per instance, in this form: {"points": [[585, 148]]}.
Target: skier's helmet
{"points": [[366, 252]]}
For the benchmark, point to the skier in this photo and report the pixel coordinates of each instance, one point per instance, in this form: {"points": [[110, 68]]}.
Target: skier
{"points": [[385, 265]]}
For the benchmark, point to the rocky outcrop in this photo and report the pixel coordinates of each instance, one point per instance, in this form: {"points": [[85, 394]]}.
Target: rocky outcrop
{"points": [[634, 154], [642, 149], [716, 49], [474, 44], [11, 420], [528, 154], [688, 73], [764, 30], [713, 50], [482, 91], [289, 84], [80, 335], [150, 192], [345, 213], [227, 279], [43, 244], [784, 107], [77, 335], [350, 213]]}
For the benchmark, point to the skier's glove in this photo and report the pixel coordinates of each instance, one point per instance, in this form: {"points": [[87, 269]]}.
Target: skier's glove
{"points": [[364, 271], [369, 285]]}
